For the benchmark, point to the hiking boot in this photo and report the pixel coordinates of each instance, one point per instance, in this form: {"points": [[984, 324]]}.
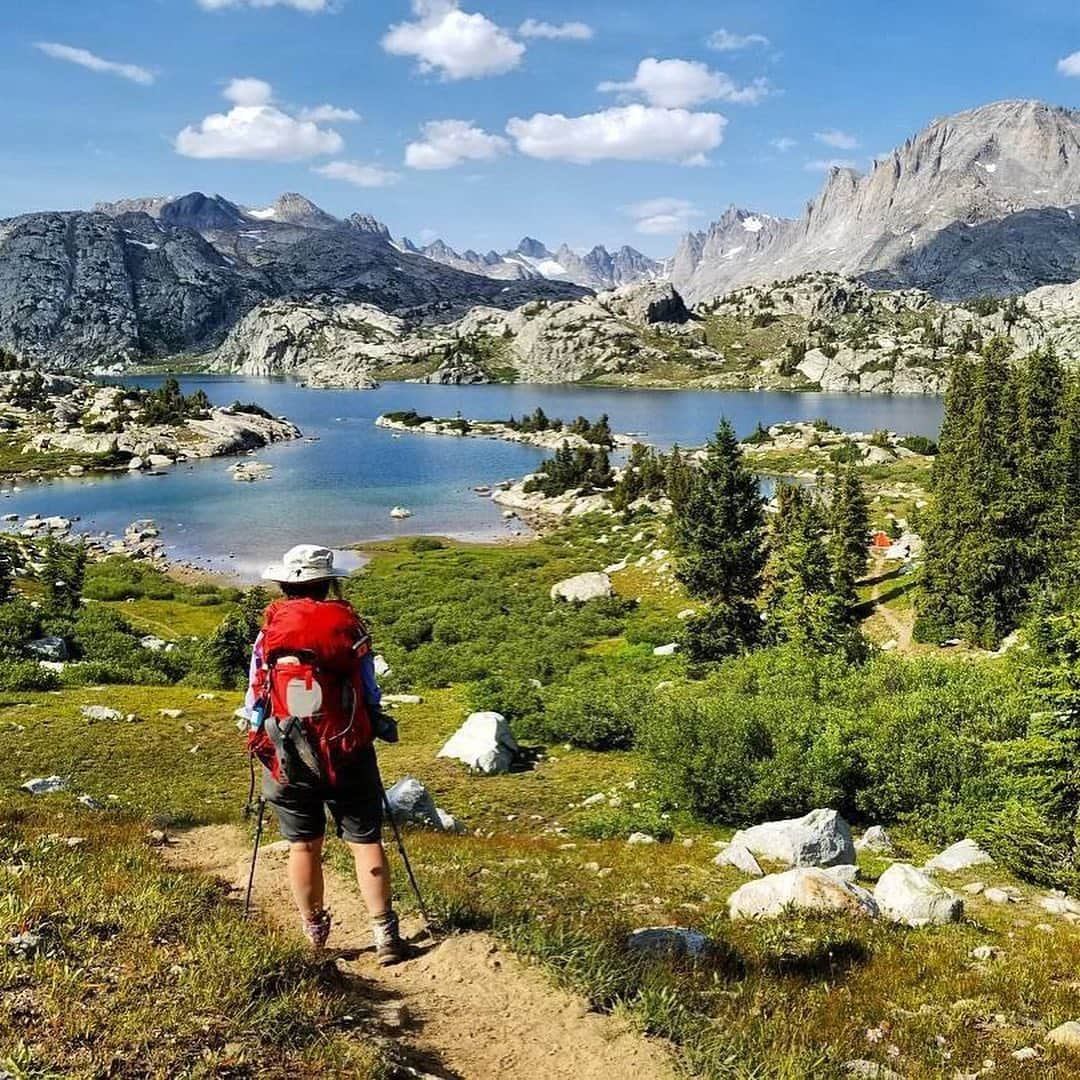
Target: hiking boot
{"points": [[317, 928], [389, 947]]}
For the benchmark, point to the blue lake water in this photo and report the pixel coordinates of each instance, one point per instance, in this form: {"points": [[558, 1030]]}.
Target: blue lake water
{"points": [[340, 489]]}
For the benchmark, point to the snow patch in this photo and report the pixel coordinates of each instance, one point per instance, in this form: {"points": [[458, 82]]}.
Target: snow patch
{"points": [[142, 243], [266, 213], [987, 168], [752, 224]]}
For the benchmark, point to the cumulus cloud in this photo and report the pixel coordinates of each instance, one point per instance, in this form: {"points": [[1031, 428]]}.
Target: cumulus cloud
{"points": [[676, 84], [328, 114], [662, 217], [725, 41], [1070, 65], [446, 143], [358, 173], [312, 7], [629, 133], [784, 143], [839, 140], [85, 58], [457, 44], [567, 31], [256, 129], [825, 164]]}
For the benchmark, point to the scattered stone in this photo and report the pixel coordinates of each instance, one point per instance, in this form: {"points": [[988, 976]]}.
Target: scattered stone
{"points": [[594, 800], [960, 856], [843, 871], [686, 613], [983, 953], [411, 801], [1025, 1053], [741, 858], [159, 838], [1065, 1035], [583, 588], [154, 644], [668, 941], [870, 1070], [278, 847], [45, 785], [1000, 896], [206, 697], [641, 838], [907, 895], [974, 887], [484, 742], [48, 648], [171, 714], [875, 840], [666, 650], [448, 822], [90, 802], [402, 699], [821, 838], [1059, 905], [25, 945], [94, 713], [808, 888]]}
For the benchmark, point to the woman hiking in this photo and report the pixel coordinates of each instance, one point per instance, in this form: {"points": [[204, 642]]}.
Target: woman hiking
{"points": [[314, 709]]}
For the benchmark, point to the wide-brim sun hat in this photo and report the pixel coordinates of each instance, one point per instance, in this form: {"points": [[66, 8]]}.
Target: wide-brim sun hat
{"points": [[303, 563]]}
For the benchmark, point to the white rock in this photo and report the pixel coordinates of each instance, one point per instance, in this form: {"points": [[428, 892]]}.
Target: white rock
{"points": [[641, 838], [100, 712], [382, 668], [686, 613], [402, 699], [153, 644], [985, 952], [870, 1070], [45, 785], [907, 895], [410, 801], [171, 714], [484, 742], [206, 697], [448, 822], [666, 650], [90, 802], [875, 840], [843, 871], [582, 588], [960, 856], [741, 858], [974, 887], [999, 896], [594, 800], [1025, 1053], [667, 941], [1066, 1035], [821, 838], [807, 888]]}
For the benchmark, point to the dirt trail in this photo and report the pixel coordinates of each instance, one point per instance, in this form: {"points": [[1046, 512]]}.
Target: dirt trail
{"points": [[473, 1008], [901, 628]]}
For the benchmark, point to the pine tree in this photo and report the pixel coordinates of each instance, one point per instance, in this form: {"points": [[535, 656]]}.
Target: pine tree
{"points": [[719, 530], [62, 572], [848, 521], [679, 478]]}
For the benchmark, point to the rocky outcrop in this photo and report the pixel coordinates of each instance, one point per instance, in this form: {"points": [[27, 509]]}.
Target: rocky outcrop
{"points": [[906, 895], [804, 889], [980, 203], [962, 855], [820, 838], [583, 588], [484, 743]]}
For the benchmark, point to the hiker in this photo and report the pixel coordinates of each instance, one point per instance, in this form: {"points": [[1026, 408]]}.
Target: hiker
{"points": [[314, 709]]}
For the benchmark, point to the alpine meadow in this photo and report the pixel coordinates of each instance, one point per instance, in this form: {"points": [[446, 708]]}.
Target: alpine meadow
{"points": [[431, 651]]}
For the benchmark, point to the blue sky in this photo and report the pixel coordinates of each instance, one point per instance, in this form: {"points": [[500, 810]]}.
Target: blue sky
{"points": [[571, 120]]}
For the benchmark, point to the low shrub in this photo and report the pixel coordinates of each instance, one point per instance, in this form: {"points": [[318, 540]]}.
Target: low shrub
{"points": [[26, 675], [595, 710]]}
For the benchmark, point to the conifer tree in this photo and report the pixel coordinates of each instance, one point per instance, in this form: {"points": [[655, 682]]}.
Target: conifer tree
{"points": [[848, 521], [719, 530]]}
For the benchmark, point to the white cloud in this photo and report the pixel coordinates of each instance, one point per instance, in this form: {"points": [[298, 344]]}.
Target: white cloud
{"points": [[458, 44], [358, 173], [256, 130], [1070, 65], [725, 41], [675, 84], [85, 58], [328, 114], [784, 143], [663, 216], [825, 164], [567, 31], [839, 140], [446, 143], [248, 92], [629, 133], [312, 7]]}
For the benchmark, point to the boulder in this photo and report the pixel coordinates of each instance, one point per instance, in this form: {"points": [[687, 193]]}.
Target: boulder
{"points": [[637, 838], [48, 648], [960, 856], [412, 802], [448, 822], [907, 895], [582, 588], [94, 713], [666, 650], [1066, 1035], [821, 838], [484, 742], [45, 785], [809, 888], [876, 841], [402, 699], [667, 941], [739, 857]]}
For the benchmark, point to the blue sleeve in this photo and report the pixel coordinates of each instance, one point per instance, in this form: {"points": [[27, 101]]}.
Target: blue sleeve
{"points": [[372, 693]]}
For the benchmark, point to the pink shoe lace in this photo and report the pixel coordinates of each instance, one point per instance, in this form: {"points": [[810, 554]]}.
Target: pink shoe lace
{"points": [[317, 928]]}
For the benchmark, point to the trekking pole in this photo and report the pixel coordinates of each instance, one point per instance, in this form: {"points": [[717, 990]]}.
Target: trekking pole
{"points": [[254, 855], [408, 865]]}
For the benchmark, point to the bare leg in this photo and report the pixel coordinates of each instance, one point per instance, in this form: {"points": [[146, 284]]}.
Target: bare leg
{"points": [[373, 877], [306, 875]]}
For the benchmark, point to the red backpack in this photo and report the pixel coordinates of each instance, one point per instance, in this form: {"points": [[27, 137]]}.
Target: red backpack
{"points": [[309, 685]]}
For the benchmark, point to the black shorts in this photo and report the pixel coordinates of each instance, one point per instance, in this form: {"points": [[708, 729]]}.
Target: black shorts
{"points": [[354, 802]]}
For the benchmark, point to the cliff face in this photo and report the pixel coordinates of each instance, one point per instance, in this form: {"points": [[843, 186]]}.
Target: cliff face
{"points": [[981, 203]]}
